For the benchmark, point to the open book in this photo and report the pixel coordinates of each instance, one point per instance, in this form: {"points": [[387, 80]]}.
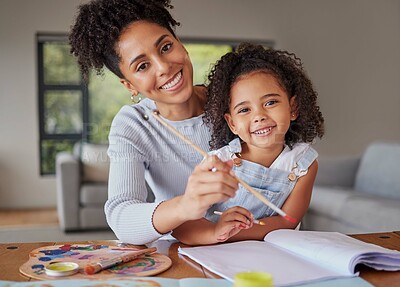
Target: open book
{"points": [[295, 257]]}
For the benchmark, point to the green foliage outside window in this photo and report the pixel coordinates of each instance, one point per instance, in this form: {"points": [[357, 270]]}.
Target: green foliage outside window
{"points": [[63, 112], [49, 150], [59, 65], [203, 58], [106, 97]]}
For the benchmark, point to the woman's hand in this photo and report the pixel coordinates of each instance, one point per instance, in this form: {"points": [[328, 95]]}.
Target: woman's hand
{"points": [[231, 222], [212, 181]]}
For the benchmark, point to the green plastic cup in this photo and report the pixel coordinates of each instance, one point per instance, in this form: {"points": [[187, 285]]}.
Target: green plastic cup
{"points": [[253, 279]]}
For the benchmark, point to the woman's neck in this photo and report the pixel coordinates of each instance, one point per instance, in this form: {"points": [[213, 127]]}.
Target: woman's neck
{"points": [[262, 156], [193, 107]]}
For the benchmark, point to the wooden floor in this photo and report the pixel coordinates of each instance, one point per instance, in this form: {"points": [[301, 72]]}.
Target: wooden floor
{"points": [[28, 217]]}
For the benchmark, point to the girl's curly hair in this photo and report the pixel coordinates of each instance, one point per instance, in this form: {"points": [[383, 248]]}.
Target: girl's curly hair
{"points": [[99, 24], [286, 67]]}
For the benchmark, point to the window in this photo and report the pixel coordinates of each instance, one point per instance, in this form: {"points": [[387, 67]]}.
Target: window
{"points": [[71, 111], [62, 110]]}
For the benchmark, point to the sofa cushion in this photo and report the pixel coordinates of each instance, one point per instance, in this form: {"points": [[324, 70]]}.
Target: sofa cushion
{"points": [[329, 200], [355, 211], [93, 195], [378, 173], [316, 221], [337, 171], [95, 162], [93, 218], [371, 213]]}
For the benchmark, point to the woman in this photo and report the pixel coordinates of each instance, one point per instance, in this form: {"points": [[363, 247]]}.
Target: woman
{"points": [[135, 39]]}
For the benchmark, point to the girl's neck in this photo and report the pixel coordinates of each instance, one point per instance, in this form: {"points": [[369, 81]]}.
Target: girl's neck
{"points": [[262, 156], [193, 107]]}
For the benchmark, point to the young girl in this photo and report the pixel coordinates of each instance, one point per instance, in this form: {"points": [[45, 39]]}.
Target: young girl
{"points": [[263, 113]]}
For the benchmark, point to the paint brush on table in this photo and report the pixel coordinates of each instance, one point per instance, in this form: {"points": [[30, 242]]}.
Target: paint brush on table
{"points": [[127, 256], [258, 195], [255, 221]]}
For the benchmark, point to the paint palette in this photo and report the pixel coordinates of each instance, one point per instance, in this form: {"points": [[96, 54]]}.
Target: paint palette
{"points": [[83, 254]]}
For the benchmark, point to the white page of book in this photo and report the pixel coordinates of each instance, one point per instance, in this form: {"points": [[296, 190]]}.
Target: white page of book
{"points": [[333, 250], [287, 269]]}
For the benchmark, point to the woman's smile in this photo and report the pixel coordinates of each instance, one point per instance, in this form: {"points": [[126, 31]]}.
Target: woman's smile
{"points": [[175, 83]]}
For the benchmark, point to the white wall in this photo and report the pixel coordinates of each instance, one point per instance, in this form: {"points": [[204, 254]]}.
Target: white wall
{"points": [[351, 49], [20, 182]]}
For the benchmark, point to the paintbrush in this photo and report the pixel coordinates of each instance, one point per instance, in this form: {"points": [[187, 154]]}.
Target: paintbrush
{"points": [[127, 256], [244, 184]]}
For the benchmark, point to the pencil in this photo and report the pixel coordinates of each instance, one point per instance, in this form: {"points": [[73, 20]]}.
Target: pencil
{"points": [[128, 256], [256, 221], [244, 184]]}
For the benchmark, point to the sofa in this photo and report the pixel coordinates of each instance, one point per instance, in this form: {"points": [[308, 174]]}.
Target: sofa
{"points": [[82, 187], [359, 194], [81, 178]]}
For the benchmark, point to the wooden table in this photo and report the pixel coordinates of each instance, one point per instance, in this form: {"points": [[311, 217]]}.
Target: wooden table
{"points": [[389, 240], [13, 255]]}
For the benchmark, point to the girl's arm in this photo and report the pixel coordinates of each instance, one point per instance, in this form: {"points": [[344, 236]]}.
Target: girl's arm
{"points": [[202, 231], [296, 205], [196, 232]]}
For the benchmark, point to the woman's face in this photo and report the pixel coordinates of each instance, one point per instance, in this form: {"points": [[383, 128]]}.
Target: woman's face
{"points": [[155, 63]]}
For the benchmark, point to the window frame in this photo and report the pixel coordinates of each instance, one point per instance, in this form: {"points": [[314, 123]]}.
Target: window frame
{"points": [[41, 39]]}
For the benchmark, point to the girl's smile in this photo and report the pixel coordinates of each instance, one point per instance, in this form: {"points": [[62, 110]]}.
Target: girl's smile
{"points": [[263, 131]]}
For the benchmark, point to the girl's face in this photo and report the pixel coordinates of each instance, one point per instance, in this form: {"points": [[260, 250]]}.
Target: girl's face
{"points": [[260, 110], [155, 64]]}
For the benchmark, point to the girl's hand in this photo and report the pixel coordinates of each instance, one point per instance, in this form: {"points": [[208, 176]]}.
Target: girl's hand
{"points": [[212, 181], [231, 222]]}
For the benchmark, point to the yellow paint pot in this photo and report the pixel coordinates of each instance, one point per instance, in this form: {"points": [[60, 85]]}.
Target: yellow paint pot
{"points": [[58, 269], [253, 279]]}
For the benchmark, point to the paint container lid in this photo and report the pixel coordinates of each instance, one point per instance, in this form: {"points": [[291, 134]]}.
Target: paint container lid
{"points": [[253, 279], [58, 269]]}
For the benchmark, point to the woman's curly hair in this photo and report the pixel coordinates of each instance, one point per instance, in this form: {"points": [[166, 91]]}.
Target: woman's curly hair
{"points": [[286, 68], [99, 24]]}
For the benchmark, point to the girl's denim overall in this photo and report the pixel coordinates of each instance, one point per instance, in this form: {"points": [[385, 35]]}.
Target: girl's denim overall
{"points": [[273, 184]]}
